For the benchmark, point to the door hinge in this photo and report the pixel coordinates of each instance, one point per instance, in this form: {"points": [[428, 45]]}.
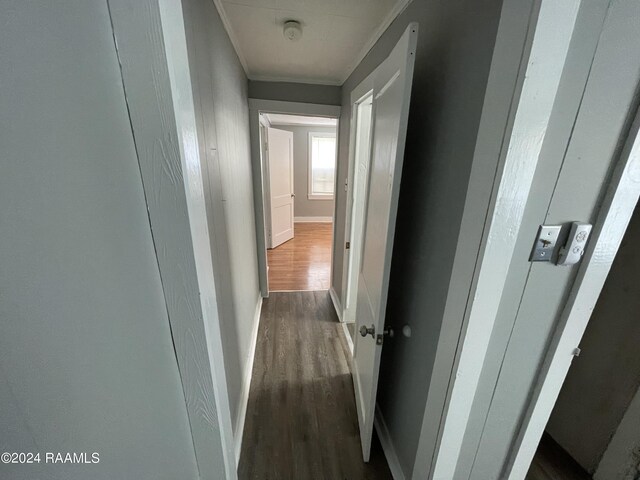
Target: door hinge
{"points": [[347, 245]]}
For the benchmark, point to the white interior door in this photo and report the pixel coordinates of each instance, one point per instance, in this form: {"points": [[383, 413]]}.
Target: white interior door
{"points": [[391, 93], [280, 164]]}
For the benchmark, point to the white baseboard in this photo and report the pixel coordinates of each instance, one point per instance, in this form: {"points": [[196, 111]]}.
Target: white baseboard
{"points": [[348, 335], [246, 382], [313, 219], [387, 446], [336, 302]]}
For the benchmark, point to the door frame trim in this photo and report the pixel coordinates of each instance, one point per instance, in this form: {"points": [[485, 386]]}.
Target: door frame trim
{"points": [[622, 193], [256, 107], [357, 95], [528, 61], [152, 49]]}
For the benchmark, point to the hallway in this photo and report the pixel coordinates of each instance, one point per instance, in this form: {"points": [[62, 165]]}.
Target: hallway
{"points": [[301, 418]]}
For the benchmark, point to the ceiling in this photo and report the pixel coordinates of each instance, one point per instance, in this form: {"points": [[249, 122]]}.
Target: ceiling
{"points": [[337, 34], [281, 119]]}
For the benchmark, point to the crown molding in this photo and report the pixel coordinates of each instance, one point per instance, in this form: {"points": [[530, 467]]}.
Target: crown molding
{"points": [[232, 36], [398, 8], [310, 81]]}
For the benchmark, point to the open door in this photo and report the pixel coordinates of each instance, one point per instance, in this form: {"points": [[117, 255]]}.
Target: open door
{"points": [[391, 94], [280, 162]]}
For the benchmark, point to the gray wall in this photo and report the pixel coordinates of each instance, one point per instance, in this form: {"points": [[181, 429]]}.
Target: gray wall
{"points": [[220, 91], [620, 460], [86, 356], [604, 378], [455, 46], [304, 207], [296, 92]]}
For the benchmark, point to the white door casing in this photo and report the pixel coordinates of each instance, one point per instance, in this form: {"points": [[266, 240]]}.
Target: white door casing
{"points": [[528, 337], [362, 157], [280, 166], [391, 95]]}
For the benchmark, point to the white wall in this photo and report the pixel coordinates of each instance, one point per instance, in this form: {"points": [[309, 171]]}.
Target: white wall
{"points": [[220, 94], [303, 206], [86, 356]]}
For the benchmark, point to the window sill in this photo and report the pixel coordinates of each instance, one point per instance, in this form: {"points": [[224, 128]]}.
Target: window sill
{"points": [[319, 197]]}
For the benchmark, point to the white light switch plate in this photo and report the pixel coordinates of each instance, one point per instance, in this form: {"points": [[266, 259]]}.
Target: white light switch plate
{"points": [[572, 252]]}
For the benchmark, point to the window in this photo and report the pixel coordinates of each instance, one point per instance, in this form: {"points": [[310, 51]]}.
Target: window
{"points": [[322, 165]]}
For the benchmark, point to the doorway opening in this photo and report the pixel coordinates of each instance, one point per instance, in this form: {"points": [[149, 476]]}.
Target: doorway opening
{"points": [[299, 163], [593, 431]]}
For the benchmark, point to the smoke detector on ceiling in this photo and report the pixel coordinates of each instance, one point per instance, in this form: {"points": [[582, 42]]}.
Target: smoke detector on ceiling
{"points": [[292, 30]]}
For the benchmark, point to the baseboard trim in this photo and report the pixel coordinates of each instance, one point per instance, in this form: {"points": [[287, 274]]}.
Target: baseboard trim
{"points": [[348, 337], [387, 446], [298, 290], [336, 302], [246, 382], [313, 219]]}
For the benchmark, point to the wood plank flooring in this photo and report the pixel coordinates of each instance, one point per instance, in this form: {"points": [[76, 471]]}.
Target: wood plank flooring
{"points": [[551, 462], [304, 262], [301, 419]]}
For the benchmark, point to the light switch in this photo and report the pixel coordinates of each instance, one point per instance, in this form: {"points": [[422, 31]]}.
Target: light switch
{"points": [[572, 252]]}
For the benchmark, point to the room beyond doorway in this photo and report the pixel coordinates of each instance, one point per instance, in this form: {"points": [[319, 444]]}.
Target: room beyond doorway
{"points": [[261, 174], [299, 161], [304, 262]]}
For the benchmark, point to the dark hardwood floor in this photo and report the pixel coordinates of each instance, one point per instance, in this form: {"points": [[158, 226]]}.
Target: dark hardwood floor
{"points": [[301, 419]]}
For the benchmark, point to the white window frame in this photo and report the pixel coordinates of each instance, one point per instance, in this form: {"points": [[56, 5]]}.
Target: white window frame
{"points": [[310, 194]]}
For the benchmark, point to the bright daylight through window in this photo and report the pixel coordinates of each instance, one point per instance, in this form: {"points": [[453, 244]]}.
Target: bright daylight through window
{"points": [[322, 165]]}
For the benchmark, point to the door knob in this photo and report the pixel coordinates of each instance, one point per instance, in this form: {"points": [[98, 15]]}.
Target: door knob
{"points": [[364, 331]]}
